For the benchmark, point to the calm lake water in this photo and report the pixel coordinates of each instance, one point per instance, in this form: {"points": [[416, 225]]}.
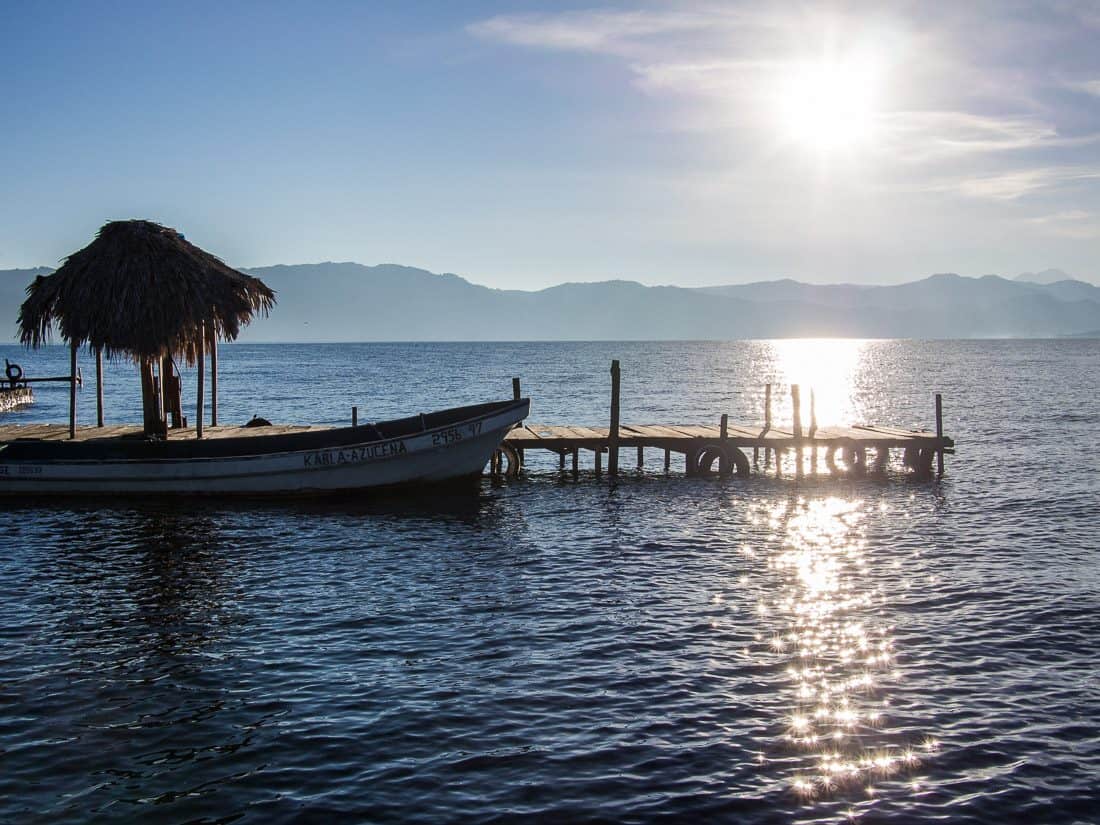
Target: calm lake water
{"points": [[570, 651]]}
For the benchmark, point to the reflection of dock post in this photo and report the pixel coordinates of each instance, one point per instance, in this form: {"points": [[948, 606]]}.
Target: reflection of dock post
{"points": [[939, 435], [613, 432]]}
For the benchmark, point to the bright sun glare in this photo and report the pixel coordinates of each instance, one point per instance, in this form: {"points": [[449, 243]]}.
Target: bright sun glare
{"points": [[829, 105]]}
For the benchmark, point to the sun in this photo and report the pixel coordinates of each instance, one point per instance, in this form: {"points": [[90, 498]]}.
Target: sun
{"points": [[829, 105]]}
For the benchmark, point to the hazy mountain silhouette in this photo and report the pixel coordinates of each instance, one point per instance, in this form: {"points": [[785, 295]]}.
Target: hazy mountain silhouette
{"points": [[351, 302], [1047, 276]]}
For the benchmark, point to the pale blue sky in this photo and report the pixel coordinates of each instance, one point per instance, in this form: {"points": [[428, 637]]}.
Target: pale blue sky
{"points": [[522, 144]]}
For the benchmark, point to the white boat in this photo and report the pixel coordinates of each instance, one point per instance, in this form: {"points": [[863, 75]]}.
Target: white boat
{"points": [[430, 448]]}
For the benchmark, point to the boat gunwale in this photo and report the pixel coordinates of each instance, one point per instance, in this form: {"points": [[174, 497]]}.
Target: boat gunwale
{"points": [[503, 408]]}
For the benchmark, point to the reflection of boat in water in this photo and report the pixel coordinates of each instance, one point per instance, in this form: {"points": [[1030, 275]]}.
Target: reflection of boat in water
{"points": [[425, 449]]}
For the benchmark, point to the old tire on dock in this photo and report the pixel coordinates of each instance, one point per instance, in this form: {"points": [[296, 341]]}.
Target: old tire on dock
{"points": [[730, 461]]}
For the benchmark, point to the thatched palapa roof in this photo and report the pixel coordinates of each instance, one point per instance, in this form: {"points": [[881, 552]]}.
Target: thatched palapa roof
{"points": [[142, 290]]}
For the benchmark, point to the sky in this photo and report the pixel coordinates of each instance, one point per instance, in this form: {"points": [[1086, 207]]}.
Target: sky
{"points": [[523, 144]]}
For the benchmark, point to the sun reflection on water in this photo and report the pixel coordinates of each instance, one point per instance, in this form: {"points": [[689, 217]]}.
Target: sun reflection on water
{"points": [[829, 367], [828, 626]]}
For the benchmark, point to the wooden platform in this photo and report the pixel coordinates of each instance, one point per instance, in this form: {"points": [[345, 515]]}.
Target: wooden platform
{"points": [[724, 448]]}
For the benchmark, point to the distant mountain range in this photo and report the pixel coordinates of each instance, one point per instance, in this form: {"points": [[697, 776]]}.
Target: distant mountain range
{"points": [[353, 302]]}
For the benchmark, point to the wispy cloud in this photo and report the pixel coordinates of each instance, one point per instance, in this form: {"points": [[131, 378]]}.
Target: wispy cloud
{"points": [[1011, 185], [1074, 223]]}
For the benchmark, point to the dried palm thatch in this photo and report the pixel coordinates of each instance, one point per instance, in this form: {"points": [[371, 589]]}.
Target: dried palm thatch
{"points": [[140, 289]]}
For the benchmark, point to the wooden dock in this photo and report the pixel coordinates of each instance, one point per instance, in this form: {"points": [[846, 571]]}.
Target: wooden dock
{"points": [[736, 449]]}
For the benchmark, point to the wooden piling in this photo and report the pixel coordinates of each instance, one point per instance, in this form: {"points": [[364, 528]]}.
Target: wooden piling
{"points": [[939, 434], [354, 417], [813, 431], [72, 390], [796, 426], [201, 381], [599, 461], [641, 457], [767, 425], [515, 389], [613, 433], [668, 459], [99, 386], [561, 460], [576, 461]]}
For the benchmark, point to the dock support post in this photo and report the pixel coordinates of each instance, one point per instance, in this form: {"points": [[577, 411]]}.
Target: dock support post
{"points": [[72, 390], [668, 459], [515, 389], [213, 377], [813, 432], [613, 432], [561, 460], [939, 435], [599, 460], [641, 458], [200, 356], [767, 425], [576, 461], [99, 386], [796, 414], [354, 417]]}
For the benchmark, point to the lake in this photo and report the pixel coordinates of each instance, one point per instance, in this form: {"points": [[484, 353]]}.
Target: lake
{"points": [[656, 649]]}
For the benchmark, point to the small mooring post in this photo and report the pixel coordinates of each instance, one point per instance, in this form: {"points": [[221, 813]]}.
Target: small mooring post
{"points": [[354, 417], [613, 432], [939, 435], [99, 386], [201, 381], [72, 390], [515, 390], [796, 416], [213, 377]]}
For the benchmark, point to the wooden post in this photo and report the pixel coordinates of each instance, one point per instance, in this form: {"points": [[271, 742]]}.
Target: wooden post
{"points": [[939, 434], [668, 459], [515, 390], [561, 460], [201, 381], [613, 433], [213, 377], [813, 431], [72, 390], [148, 398], [576, 461], [796, 427], [99, 386], [599, 459], [723, 427], [354, 417], [641, 458], [767, 423], [171, 388]]}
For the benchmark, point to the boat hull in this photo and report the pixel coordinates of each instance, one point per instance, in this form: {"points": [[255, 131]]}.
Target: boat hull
{"points": [[454, 450]]}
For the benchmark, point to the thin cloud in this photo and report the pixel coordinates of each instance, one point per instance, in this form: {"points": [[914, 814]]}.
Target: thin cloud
{"points": [[1008, 186]]}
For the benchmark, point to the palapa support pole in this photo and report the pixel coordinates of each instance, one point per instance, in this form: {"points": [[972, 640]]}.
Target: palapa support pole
{"points": [[201, 381], [515, 390], [213, 377], [613, 432], [148, 397], [99, 386], [939, 435], [72, 390]]}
